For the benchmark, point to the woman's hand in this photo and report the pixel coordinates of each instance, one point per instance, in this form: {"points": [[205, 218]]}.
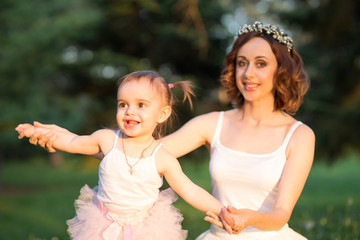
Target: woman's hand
{"points": [[239, 219], [232, 220], [46, 140]]}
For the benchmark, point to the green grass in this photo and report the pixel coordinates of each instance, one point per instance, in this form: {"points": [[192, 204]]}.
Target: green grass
{"points": [[36, 199]]}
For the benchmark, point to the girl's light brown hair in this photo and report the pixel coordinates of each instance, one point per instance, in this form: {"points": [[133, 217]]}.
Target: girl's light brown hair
{"points": [[159, 84], [290, 80]]}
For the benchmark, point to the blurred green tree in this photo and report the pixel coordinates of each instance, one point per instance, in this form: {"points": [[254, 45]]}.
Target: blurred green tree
{"points": [[329, 36], [60, 59], [33, 86]]}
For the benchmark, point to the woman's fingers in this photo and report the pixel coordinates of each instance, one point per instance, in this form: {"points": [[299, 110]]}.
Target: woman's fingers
{"points": [[232, 209], [235, 219], [227, 221], [228, 217]]}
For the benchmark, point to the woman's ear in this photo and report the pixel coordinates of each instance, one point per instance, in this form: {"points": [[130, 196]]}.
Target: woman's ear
{"points": [[165, 113]]}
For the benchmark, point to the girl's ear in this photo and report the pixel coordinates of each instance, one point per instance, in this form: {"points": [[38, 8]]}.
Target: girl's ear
{"points": [[165, 113]]}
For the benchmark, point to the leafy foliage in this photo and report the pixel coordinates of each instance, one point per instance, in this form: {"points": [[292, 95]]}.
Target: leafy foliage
{"points": [[331, 51], [60, 60]]}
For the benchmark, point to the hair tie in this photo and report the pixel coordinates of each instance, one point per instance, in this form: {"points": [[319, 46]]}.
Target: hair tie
{"points": [[170, 86]]}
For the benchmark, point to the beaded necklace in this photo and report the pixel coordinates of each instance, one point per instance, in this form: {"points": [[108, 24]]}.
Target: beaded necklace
{"points": [[141, 155]]}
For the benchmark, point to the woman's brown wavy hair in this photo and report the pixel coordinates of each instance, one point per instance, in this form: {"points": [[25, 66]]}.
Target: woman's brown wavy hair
{"points": [[291, 82]]}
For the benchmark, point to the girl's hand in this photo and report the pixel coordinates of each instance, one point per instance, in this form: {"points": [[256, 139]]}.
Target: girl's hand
{"points": [[25, 130], [218, 221], [46, 140]]}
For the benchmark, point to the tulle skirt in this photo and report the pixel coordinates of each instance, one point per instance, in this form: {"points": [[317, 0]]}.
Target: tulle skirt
{"points": [[286, 233], [94, 222]]}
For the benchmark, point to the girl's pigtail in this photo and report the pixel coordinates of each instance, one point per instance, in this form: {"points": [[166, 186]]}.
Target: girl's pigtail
{"points": [[187, 88]]}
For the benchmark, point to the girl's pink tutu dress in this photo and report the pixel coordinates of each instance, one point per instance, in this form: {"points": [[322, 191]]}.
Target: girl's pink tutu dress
{"points": [[125, 206]]}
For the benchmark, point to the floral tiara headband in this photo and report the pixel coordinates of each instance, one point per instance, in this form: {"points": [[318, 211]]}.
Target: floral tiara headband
{"points": [[275, 32]]}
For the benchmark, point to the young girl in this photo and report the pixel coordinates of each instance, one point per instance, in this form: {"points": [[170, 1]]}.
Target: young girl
{"points": [[127, 203]]}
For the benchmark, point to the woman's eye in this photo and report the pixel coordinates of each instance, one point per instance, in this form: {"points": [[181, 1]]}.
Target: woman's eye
{"points": [[242, 63], [261, 64]]}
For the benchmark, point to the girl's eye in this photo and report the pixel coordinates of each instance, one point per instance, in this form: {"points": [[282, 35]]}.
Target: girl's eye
{"points": [[122, 105], [142, 105]]}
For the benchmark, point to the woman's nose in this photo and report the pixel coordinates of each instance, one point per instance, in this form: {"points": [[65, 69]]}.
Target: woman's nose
{"points": [[249, 71]]}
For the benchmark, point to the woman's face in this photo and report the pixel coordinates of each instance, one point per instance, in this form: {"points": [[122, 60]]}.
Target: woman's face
{"points": [[255, 68]]}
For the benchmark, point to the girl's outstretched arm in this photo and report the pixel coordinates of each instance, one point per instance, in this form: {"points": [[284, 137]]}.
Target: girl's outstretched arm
{"points": [[201, 129], [46, 140], [189, 191], [65, 140]]}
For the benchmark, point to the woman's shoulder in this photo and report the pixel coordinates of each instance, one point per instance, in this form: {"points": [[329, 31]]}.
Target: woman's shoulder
{"points": [[302, 134], [205, 122], [304, 131], [209, 117], [301, 129]]}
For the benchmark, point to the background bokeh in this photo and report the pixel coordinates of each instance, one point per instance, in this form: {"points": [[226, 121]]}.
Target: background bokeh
{"points": [[60, 61]]}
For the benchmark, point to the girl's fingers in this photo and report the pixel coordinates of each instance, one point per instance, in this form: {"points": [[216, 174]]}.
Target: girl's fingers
{"points": [[213, 215], [213, 221], [38, 124], [44, 138], [21, 135], [213, 218], [49, 144], [24, 130], [50, 126], [34, 139]]}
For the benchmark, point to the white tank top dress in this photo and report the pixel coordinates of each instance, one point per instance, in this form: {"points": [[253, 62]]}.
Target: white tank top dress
{"points": [[125, 193], [246, 180]]}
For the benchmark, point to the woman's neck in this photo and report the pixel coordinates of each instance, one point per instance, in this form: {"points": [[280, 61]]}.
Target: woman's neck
{"points": [[257, 112]]}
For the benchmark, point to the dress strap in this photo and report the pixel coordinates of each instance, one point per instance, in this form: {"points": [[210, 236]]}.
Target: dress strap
{"points": [[290, 133], [116, 138], [156, 149], [218, 129]]}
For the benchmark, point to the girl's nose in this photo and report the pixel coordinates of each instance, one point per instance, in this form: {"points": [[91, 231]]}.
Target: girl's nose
{"points": [[130, 110]]}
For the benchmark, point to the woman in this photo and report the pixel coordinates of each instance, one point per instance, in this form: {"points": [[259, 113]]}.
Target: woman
{"points": [[260, 155]]}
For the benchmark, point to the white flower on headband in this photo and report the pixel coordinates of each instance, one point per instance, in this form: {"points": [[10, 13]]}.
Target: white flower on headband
{"points": [[270, 30]]}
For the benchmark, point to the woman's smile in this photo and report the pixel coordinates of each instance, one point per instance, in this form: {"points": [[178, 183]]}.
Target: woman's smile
{"points": [[250, 86]]}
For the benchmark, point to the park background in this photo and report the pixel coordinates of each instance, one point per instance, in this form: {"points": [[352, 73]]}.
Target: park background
{"points": [[60, 61]]}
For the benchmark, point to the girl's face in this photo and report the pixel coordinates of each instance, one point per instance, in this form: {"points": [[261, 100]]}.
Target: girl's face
{"points": [[139, 108], [255, 68]]}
